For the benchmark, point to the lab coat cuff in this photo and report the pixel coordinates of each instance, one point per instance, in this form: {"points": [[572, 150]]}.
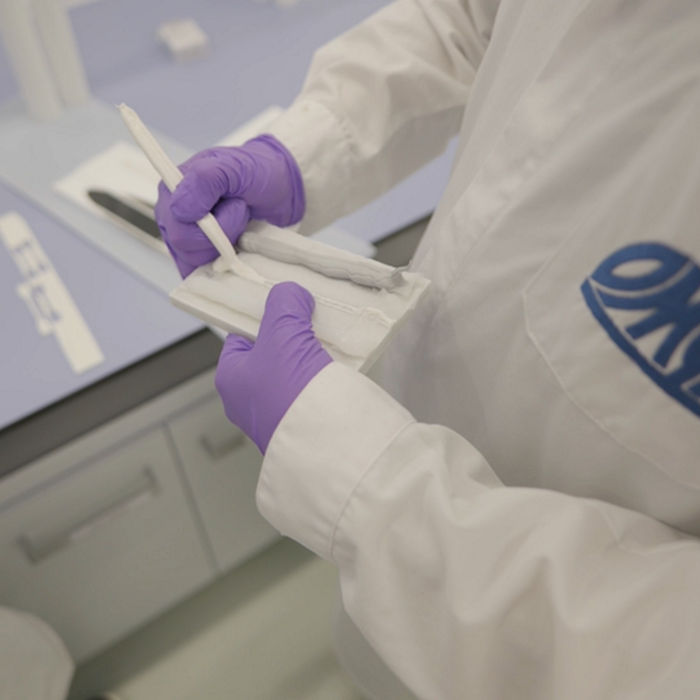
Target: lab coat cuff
{"points": [[325, 444], [321, 147]]}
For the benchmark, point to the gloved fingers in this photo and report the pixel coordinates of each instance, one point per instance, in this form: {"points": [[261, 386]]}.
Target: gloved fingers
{"points": [[186, 238], [288, 309], [193, 246], [262, 172], [167, 226], [233, 354], [207, 178], [189, 249], [233, 216], [187, 243], [234, 345], [183, 267]]}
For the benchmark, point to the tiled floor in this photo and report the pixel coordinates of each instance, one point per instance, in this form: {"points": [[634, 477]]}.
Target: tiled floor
{"points": [[262, 632]]}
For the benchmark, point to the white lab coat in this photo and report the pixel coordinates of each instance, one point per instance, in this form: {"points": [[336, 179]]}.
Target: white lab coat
{"points": [[521, 519]]}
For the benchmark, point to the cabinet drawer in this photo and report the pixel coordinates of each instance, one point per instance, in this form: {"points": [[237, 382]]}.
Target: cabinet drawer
{"points": [[222, 467], [104, 547]]}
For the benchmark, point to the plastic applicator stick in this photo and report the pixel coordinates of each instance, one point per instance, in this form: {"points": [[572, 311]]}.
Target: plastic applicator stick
{"points": [[172, 176]]}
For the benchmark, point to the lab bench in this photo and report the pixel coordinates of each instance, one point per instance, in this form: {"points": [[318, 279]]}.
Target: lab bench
{"points": [[145, 495], [124, 490]]}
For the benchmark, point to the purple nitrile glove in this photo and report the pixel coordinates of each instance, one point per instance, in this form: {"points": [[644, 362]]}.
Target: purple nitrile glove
{"points": [[259, 180], [258, 382]]}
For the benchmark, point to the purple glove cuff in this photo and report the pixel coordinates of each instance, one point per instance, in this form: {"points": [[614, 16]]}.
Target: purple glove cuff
{"points": [[298, 199]]}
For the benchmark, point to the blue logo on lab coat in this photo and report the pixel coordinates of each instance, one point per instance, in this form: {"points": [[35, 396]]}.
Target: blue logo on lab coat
{"points": [[647, 298]]}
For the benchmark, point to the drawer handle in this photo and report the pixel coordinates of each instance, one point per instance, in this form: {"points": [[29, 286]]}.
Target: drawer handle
{"points": [[217, 450], [140, 492]]}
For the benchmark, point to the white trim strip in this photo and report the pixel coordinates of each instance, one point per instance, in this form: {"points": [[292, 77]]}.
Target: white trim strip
{"points": [[48, 300]]}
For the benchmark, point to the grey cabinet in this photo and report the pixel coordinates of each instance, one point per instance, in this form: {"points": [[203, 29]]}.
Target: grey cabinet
{"points": [[112, 529], [222, 468]]}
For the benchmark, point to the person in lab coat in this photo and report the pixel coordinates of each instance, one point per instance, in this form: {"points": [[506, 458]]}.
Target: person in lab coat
{"points": [[515, 511]]}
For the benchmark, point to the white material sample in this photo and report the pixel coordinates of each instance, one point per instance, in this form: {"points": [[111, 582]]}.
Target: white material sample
{"points": [[26, 53], [352, 320], [184, 38], [339, 238], [48, 300], [297, 250]]}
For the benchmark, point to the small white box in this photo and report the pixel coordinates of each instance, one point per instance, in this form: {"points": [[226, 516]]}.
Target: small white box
{"points": [[184, 38]]}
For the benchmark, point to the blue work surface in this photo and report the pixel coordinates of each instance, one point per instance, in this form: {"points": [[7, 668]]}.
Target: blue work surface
{"points": [[128, 318], [258, 57]]}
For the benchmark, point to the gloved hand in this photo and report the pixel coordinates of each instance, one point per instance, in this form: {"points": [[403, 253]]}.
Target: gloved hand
{"points": [[259, 180], [258, 382]]}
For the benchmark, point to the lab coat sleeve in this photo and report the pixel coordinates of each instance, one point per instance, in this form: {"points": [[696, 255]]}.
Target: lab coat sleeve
{"points": [[470, 589], [383, 99]]}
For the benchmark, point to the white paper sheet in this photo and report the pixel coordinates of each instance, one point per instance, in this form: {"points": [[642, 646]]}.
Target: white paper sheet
{"points": [[121, 170]]}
